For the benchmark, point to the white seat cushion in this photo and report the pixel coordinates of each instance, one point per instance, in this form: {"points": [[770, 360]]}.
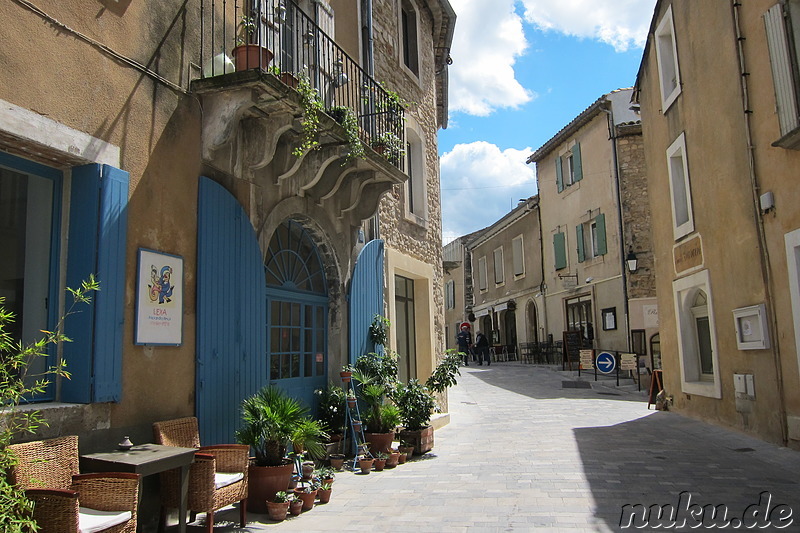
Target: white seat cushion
{"points": [[92, 521], [222, 479]]}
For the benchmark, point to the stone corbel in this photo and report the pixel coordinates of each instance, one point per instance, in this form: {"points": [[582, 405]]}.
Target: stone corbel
{"points": [[222, 112]]}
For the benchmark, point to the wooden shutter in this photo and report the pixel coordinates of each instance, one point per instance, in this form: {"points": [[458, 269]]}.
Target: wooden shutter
{"points": [[602, 246], [366, 298], [577, 166], [560, 250], [581, 244], [780, 61], [559, 174]]}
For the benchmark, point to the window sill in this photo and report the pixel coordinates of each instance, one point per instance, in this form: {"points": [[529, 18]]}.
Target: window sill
{"points": [[790, 141], [709, 389], [416, 219], [80, 418]]}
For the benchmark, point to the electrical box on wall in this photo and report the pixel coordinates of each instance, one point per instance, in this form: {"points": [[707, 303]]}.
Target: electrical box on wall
{"points": [[744, 386], [752, 332]]}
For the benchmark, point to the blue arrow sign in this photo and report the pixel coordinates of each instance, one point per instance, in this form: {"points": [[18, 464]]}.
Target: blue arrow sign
{"points": [[606, 362]]}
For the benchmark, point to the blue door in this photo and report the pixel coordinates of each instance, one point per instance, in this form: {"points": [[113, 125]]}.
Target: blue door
{"points": [[365, 298], [297, 313]]}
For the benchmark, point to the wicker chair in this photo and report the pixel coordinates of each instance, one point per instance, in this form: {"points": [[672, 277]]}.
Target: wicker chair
{"points": [[68, 502], [217, 478]]}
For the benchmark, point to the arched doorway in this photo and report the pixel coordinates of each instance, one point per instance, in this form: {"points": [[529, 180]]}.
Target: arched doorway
{"points": [[297, 312], [510, 320], [533, 323]]}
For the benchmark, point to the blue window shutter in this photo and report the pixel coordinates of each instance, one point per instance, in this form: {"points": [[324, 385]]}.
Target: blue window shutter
{"points": [[110, 300], [576, 162], [560, 250], [579, 239], [97, 243], [366, 297], [559, 174], [602, 246]]}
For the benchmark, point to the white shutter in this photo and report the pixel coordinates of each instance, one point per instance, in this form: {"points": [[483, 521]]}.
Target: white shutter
{"points": [[780, 61]]}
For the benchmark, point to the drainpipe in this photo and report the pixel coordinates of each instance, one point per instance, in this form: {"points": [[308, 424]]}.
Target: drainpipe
{"points": [[542, 285], [762, 239], [618, 189]]}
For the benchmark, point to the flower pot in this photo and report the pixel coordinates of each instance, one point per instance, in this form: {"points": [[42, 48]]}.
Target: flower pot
{"points": [[357, 426], [248, 56], [277, 511], [402, 459], [407, 450], [351, 403], [379, 442], [308, 470], [289, 79], [346, 376], [263, 482], [337, 461], [307, 498], [421, 439], [379, 465], [365, 465], [324, 495], [295, 507], [394, 458]]}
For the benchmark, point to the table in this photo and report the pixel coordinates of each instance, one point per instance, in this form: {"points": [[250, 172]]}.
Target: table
{"points": [[146, 459]]}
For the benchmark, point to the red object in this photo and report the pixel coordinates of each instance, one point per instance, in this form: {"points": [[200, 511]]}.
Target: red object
{"points": [[466, 324]]}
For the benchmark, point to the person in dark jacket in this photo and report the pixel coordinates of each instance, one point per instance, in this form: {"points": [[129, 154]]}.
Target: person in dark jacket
{"points": [[464, 341], [482, 348]]}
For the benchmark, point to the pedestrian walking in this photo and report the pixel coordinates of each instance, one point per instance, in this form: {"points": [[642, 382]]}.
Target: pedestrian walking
{"points": [[482, 348], [464, 341]]}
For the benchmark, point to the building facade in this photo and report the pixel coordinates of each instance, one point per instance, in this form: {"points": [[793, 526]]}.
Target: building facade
{"points": [[719, 94], [590, 178], [238, 236]]}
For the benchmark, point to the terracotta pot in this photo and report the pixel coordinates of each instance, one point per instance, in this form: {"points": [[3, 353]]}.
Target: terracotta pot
{"points": [[402, 459], [346, 376], [289, 79], [324, 495], [351, 403], [308, 499], [379, 442], [308, 470], [248, 56], [357, 426], [337, 461], [421, 439], [365, 465], [263, 482], [277, 511], [408, 450], [295, 507], [379, 464], [394, 458]]}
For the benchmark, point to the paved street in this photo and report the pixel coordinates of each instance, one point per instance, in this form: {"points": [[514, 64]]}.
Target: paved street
{"points": [[522, 453]]}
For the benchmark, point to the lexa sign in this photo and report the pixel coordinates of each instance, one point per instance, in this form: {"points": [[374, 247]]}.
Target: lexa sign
{"points": [[159, 299]]}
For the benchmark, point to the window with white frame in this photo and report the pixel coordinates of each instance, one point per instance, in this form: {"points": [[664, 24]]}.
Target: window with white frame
{"points": [[569, 168], [792, 240], [680, 191], [482, 274], [591, 238], [517, 251], [416, 191], [499, 271], [450, 294], [667, 56], [697, 345], [782, 24], [408, 28]]}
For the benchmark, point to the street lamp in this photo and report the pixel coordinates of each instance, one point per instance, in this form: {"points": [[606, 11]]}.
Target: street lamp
{"points": [[632, 262]]}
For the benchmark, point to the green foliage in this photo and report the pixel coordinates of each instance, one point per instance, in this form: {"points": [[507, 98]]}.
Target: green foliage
{"points": [[271, 419], [325, 472], [17, 384], [379, 330], [390, 145], [312, 107], [281, 497], [415, 403], [345, 116], [444, 375], [377, 378], [247, 27], [331, 410]]}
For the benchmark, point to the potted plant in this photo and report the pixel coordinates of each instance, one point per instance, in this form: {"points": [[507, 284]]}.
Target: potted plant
{"points": [[346, 374], [350, 398], [285, 76], [380, 461], [249, 54], [345, 116], [365, 464], [379, 330], [337, 461], [331, 414], [389, 145], [307, 494], [310, 434], [406, 449], [271, 419], [325, 474], [324, 492], [376, 375], [393, 459], [416, 405], [279, 506], [295, 506]]}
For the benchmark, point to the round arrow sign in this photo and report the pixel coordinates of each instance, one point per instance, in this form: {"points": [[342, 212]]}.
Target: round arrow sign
{"points": [[606, 362]]}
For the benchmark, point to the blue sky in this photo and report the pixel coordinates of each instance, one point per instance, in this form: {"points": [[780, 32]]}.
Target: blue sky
{"points": [[522, 70]]}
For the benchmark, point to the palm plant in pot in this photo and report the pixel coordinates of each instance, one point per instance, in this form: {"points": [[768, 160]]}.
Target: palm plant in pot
{"points": [[376, 375], [271, 419]]}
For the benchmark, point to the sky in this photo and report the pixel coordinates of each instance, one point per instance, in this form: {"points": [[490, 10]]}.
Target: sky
{"points": [[521, 71]]}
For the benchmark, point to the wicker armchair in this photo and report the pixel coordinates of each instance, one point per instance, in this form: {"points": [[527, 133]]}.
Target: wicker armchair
{"points": [[217, 478], [68, 502]]}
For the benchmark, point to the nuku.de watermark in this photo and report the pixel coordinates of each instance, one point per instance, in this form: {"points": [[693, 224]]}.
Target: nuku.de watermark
{"points": [[685, 514]]}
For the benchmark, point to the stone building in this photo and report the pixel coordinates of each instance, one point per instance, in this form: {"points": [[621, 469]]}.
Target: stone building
{"points": [[718, 89], [594, 220], [238, 236]]}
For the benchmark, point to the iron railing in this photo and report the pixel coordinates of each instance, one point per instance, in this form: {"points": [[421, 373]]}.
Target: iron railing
{"points": [[276, 36]]}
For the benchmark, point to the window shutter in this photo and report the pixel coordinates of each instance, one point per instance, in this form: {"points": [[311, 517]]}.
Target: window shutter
{"points": [[780, 61], [559, 174], [560, 250], [579, 239], [519, 260], [602, 246], [576, 162]]}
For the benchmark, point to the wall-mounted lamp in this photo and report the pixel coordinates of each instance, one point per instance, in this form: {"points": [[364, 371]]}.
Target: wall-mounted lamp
{"points": [[339, 77], [632, 262], [280, 13], [309, 39]]}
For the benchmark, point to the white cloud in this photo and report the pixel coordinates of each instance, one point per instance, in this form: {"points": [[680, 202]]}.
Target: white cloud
{"points": [[487, 40], [620, 23], [480, 184]]}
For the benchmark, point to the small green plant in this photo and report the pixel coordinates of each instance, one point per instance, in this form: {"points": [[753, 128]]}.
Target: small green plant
{"points": [[281, 497], [312, 107], [345, 116], [331, 411], [416, 404], [247, 27], [379, 330], [16, 385], [444, 375], [390, 145], [381, 455], [324, 472], [325, 486]]}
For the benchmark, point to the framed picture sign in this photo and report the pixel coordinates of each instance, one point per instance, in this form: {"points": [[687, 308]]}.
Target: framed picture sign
{"points": [[159, 299]]}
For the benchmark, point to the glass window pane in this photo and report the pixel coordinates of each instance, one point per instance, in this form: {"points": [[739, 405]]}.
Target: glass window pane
{"points": [[704, 345]]}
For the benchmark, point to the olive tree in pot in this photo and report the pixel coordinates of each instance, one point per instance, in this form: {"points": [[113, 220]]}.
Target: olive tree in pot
{"points": [[271, 420], [376, 375]]}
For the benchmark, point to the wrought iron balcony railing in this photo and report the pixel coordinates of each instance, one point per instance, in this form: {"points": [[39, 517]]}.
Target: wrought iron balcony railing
{"points": [[276, 36]]}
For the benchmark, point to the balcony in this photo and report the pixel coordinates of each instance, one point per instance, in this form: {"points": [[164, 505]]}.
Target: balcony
{"points": [[254, 45]]}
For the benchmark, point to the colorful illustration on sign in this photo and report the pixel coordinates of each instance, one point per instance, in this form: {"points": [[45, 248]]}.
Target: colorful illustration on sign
{"points": [[159, 309], [161, 287]]}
